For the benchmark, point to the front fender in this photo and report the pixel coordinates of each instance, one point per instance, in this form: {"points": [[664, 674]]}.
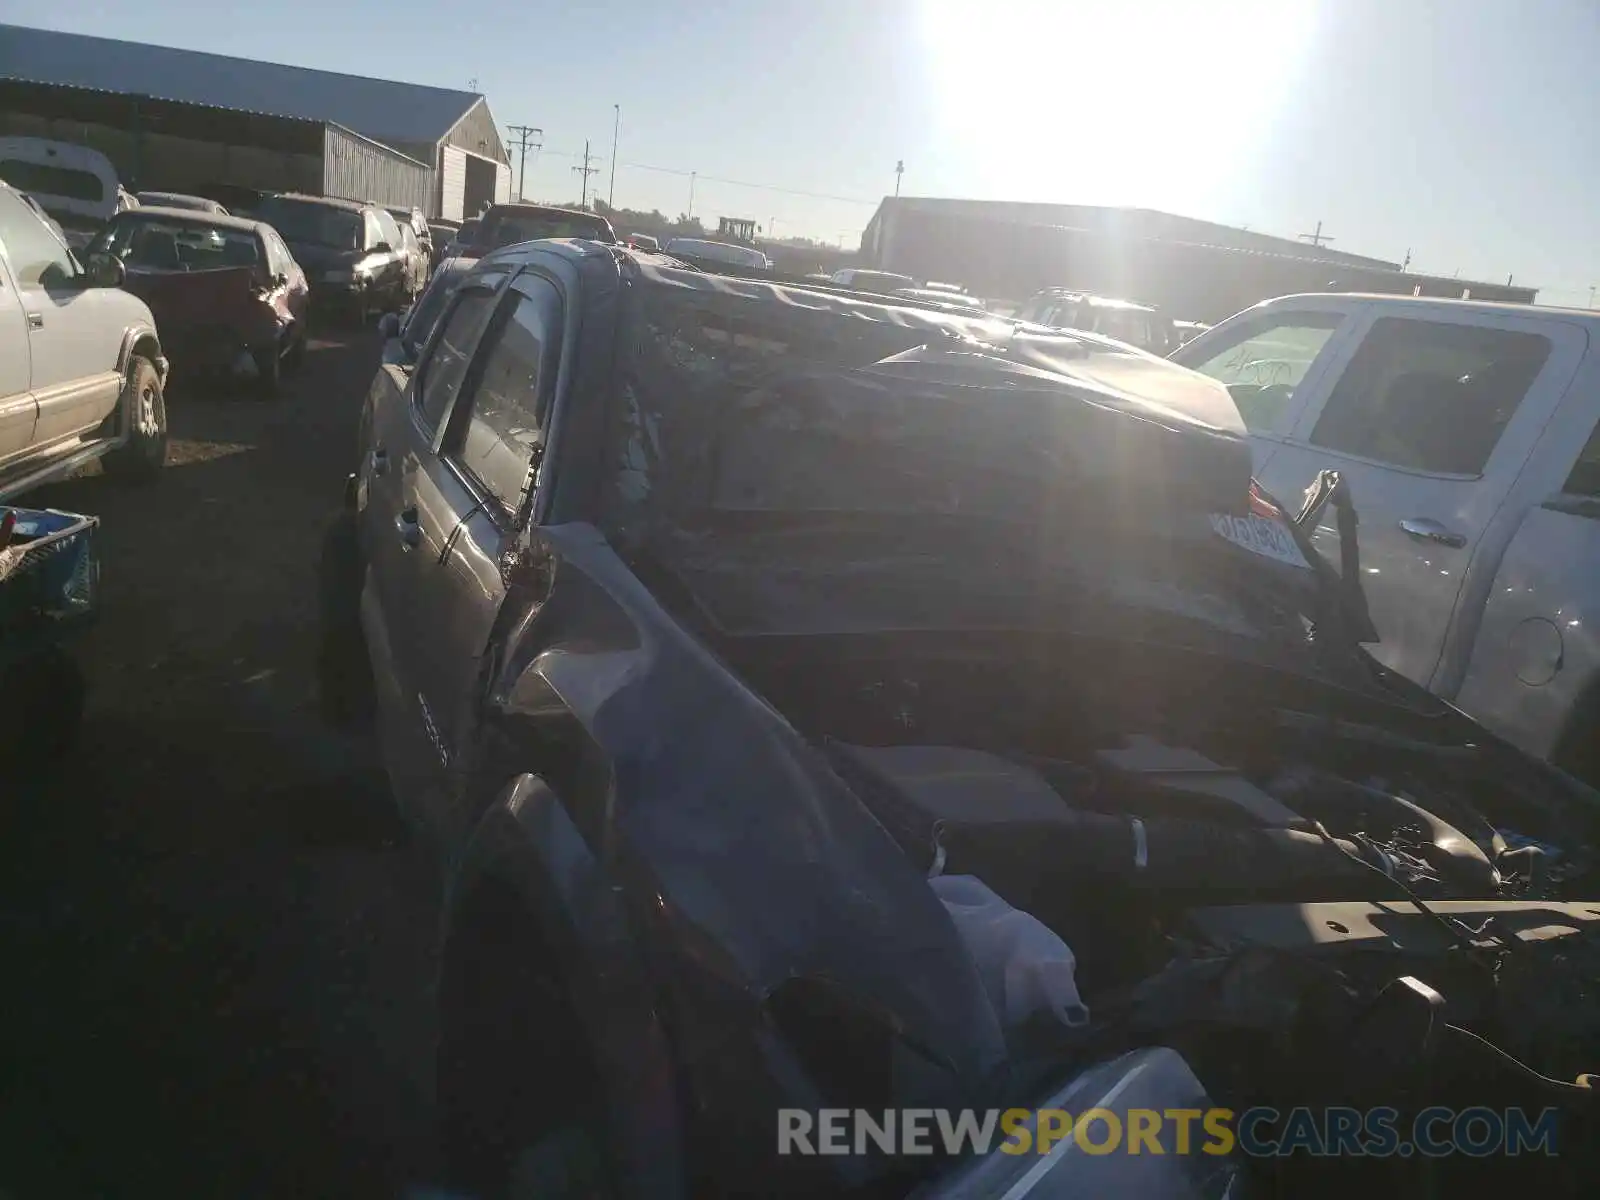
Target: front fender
{"points": [[131, 339], [527, 842], [751, 860]]}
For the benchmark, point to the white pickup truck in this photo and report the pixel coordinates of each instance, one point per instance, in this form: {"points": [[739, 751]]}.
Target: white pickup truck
{"points": [[81, 368], [1467, 434]]}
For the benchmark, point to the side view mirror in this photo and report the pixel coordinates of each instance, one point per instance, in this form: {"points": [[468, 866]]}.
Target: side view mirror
{"points": [[106, 271], [382, 248], [389, 325]]}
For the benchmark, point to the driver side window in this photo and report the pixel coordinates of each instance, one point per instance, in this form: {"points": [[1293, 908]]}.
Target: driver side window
{"points": [[1262, 363], [446, 365], [37, 257]]}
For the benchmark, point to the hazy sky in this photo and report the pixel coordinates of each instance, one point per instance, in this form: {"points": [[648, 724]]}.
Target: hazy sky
{"points": [[1462, 130]]}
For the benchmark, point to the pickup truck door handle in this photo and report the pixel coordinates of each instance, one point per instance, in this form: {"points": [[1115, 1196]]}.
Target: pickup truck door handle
{"points": [[35, 320], [1426, 529], [380, 461], [406, 526]]}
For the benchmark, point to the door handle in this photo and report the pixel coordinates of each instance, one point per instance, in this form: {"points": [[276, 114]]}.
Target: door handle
{"points": [[1426, 529], [380, 461], [406, 526], [35, 320]]}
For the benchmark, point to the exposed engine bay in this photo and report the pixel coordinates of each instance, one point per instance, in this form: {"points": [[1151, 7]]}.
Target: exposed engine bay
{"points": [[1313, 908]]}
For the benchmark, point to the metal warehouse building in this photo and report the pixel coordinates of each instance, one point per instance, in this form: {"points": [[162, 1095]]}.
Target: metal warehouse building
{"points": [[181, 120], [1189, 268]]}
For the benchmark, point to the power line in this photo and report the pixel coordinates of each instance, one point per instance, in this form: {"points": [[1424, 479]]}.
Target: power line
{"points": [[584, 172], [765, 187], [1317, 237], [525, 138]]}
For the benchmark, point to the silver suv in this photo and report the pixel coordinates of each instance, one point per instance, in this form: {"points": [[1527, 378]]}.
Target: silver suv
{"points": [[81, 368]]}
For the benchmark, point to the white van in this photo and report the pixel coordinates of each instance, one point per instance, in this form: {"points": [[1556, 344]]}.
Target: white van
{"points": [[74, 184]]}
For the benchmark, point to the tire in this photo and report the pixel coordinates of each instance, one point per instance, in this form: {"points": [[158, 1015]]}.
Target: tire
{"points": [[519, 1103], [269, 371], [344, 672], [143, 410]]}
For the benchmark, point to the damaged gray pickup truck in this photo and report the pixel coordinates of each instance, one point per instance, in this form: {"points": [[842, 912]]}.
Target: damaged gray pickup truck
{"points": [[707, 624]]}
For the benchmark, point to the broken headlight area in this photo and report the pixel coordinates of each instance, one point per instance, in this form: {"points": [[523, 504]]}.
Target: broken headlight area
{"points": [[1339, 912]]}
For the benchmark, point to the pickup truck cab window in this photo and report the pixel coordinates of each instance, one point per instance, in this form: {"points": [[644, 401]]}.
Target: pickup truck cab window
{"points": [[1430, 396], [499, 437], [1264, 361]]}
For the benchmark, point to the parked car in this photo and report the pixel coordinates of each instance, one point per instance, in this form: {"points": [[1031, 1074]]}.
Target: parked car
{"points": [[239, 200], [950, 300], [702, 624], [181, 200], [1136, 324], [699, 250], [863, 280], [81, 366], [463, 238], [507, 224], [351, 251], [1466, 434], [418, 260], [442, 233], [75, 184], [228, 295], [418, 223]]}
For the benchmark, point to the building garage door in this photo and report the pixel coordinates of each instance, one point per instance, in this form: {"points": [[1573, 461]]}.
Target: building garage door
{"points": [[453, 184]]}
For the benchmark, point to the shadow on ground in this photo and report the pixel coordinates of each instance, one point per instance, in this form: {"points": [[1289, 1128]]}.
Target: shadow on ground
{"points": [[217, 940]]}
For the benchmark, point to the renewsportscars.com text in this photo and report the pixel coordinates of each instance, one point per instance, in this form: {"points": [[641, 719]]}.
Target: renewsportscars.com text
{"points": [[1257, 1132]]}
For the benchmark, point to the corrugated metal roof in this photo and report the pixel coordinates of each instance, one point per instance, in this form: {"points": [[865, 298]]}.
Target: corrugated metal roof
{"points": [[382, 109], [1139, 222]]}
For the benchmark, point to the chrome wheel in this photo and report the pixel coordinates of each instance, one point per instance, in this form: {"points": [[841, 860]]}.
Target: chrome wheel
{"points": [[146, 421]]}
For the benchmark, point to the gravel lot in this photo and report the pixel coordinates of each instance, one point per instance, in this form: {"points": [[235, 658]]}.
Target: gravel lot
{"points": [[216, 941]]}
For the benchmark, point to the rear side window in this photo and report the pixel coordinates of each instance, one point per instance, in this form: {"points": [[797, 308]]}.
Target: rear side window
{"points": [[503, 438], [446, 366], [1430, 396]]}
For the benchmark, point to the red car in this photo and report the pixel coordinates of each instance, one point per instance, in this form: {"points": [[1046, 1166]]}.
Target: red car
{"points": [[228, 297]]}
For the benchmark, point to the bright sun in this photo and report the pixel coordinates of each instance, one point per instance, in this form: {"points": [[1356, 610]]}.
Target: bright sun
{"points": [[1156, 103]]}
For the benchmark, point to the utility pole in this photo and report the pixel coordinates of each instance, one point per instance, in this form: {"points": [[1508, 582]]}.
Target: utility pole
{"points": [[616, 132], [584, 172], [525, 138], [1406, 266], [772, 227], [1316, 238], [899, 170], [690, 214]]}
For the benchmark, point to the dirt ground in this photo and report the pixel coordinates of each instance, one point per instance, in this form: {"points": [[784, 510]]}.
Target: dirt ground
{"points": [[216, 942]]}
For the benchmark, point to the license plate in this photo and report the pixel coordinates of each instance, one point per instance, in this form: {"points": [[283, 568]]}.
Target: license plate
{"points": [[1260, 536]]}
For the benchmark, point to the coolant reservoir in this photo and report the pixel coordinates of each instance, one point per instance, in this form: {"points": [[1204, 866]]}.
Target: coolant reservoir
{"points": [[1027, 971]]}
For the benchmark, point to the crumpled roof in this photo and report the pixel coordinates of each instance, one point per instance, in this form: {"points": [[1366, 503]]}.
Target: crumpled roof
{"points": [[381, 109]]}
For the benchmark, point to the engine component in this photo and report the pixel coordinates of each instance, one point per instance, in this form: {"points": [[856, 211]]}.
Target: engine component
{"points": [[1397, 925], [1181, 782], [1342, 802]]}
